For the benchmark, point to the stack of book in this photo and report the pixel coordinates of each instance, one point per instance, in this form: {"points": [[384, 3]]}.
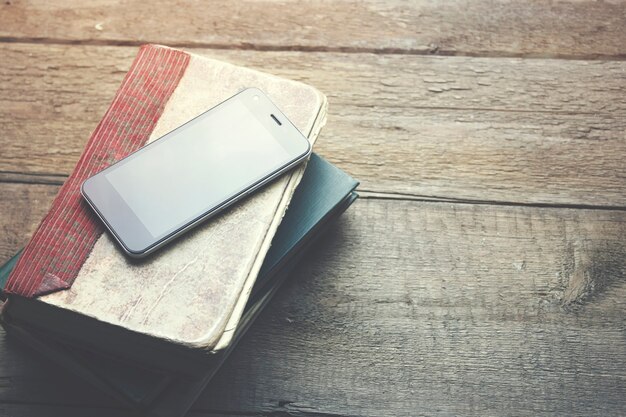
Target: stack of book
{"points": [[152, 333]]}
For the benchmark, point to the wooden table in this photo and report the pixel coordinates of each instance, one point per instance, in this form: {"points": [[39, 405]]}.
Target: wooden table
{"points": [[483, 271]]}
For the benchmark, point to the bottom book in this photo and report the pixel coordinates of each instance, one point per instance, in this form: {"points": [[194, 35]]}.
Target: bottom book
{"points": [[323, 194]]}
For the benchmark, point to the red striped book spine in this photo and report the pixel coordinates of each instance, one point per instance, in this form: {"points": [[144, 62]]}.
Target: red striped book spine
{"points": [[67, 234]]}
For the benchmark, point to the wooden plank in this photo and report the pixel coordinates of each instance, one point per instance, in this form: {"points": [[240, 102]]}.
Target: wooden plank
{"points": [[407, 308], [22, 207], [458, 308], [568, 29], [522, 131]]}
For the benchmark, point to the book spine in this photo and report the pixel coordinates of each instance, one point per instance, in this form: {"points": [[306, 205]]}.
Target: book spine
{"points": [[62, 242]]}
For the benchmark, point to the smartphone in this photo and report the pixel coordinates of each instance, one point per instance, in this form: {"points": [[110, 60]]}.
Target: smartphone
{"points": [[195, 171]]}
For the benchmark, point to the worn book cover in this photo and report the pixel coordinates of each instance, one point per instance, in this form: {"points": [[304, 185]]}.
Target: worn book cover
{"points": [[185, 302], [324, 193]]}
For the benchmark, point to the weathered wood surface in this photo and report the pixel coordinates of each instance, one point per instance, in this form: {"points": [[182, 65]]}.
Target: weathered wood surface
{"points": [[567, 29], [511, 130], [22, 206], [407, 307], [410, 308]]}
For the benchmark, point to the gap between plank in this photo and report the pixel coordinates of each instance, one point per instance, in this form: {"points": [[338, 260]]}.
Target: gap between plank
{"points": [[426, 50], [12, 177], [376, 195]]}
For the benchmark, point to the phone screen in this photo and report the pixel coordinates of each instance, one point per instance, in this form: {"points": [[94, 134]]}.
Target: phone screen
{"points": [[200, 165], [194, 170]]}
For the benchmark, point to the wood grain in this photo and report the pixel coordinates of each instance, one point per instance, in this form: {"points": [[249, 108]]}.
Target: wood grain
{"points": [[406, 307], [508, 130], [567, 29], [430, 308], [22, 207], [410, 308]]}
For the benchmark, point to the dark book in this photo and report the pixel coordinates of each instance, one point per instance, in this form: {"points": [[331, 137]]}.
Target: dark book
{"points": [[324, 193]]}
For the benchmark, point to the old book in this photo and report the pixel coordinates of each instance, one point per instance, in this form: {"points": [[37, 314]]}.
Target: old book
{"points": [[324, 193], [184, 303]]}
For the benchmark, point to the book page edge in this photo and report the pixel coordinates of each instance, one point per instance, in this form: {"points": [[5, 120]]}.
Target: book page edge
{"points": [[231, 325]]}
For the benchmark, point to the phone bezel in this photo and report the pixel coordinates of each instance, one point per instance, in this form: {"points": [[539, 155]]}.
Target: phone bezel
{"points": [[127, 228]]}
